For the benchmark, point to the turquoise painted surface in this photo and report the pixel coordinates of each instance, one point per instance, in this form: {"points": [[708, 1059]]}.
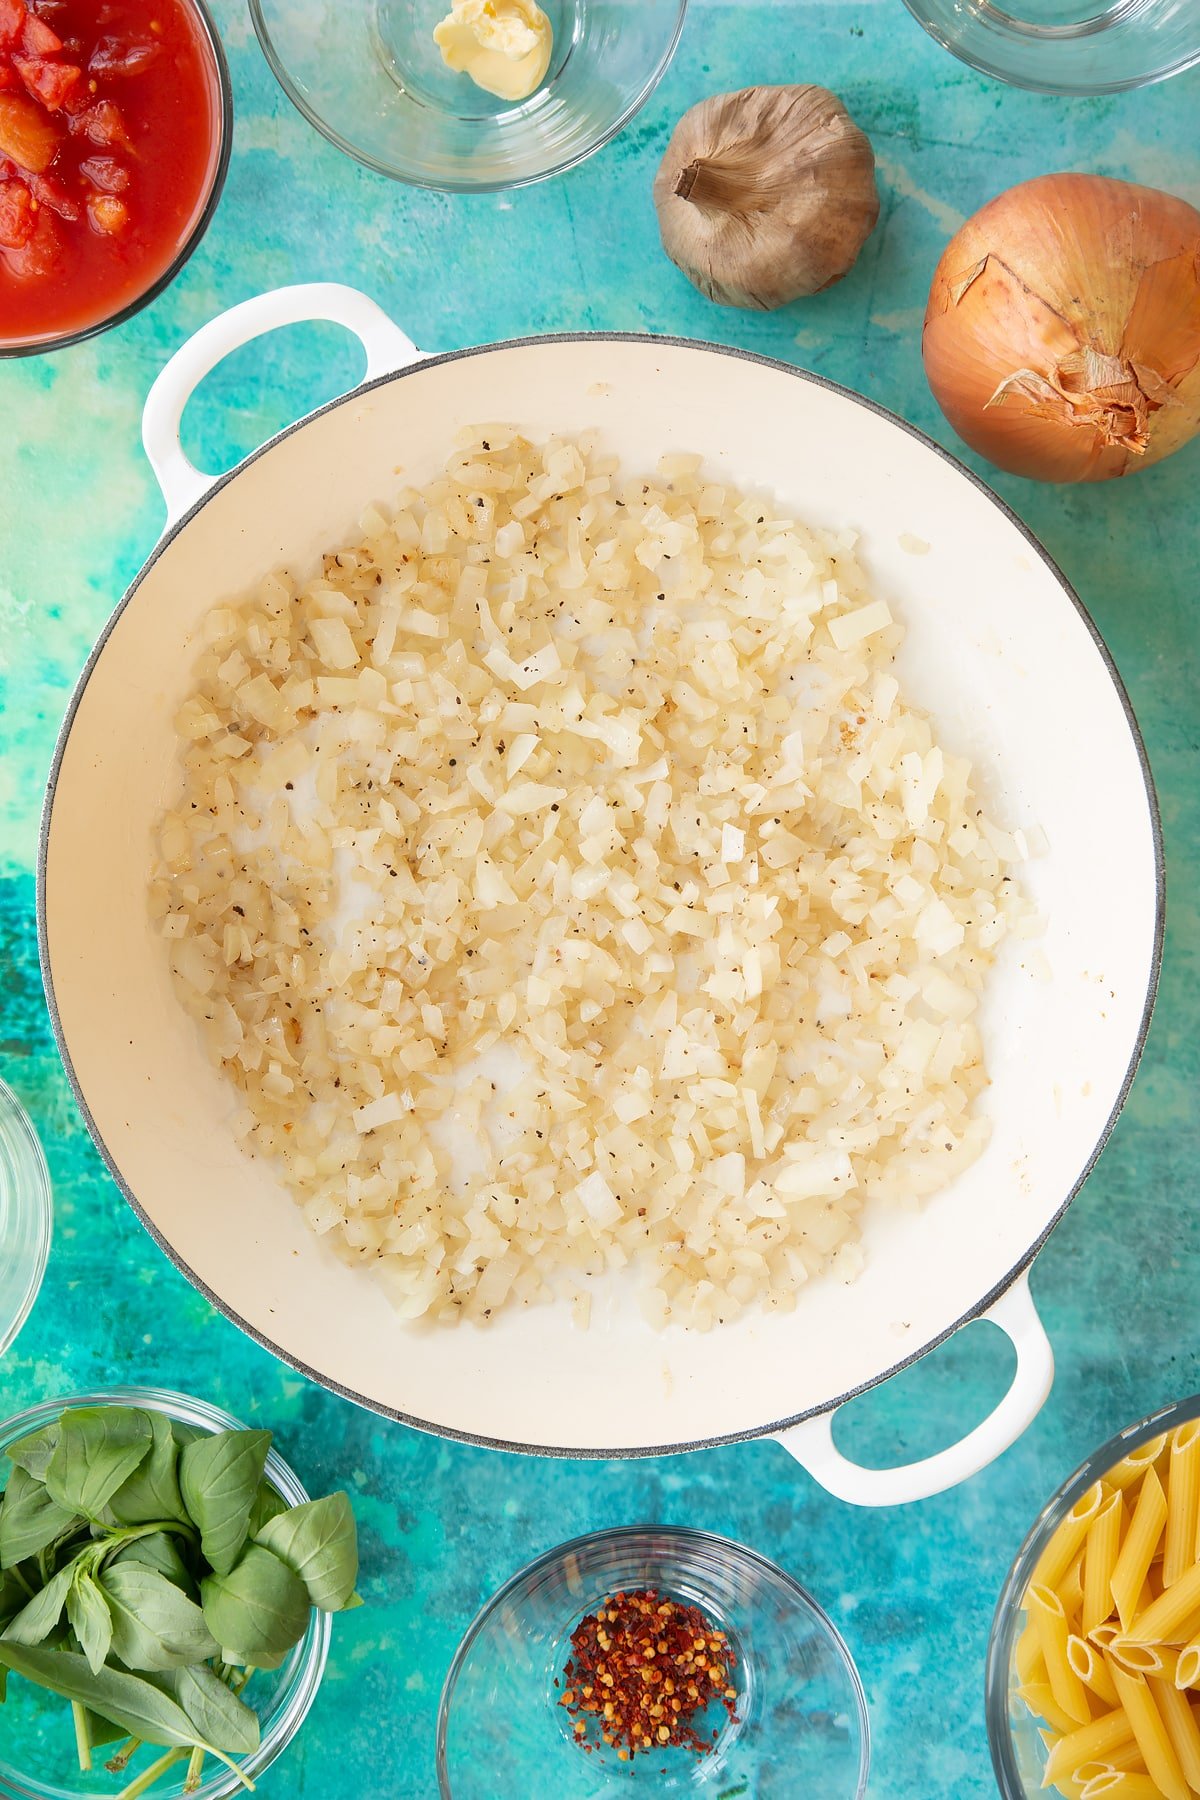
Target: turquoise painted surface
{"points": [[443, 1525]]}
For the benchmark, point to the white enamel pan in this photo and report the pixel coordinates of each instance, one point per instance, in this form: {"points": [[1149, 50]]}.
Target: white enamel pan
{"points": [[999, 649]]}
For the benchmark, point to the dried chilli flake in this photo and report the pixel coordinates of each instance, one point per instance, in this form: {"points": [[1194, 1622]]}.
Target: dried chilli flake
{"points": [[644, 1668]]}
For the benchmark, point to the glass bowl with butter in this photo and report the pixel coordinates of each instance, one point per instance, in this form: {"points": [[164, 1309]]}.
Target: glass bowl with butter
{"points": [[469, 95]]}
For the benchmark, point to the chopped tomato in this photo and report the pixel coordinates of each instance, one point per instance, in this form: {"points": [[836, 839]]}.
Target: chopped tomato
{"points": [[38, 38], [49, 82], [102, 124], [105, 173], [16, 215], [112, 57], [107, 213], [27, 135], [49, 191], [41, 253], [12, 18], [110, 140]]}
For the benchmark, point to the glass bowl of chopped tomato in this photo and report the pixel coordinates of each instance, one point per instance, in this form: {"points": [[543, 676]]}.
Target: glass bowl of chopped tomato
{"points": [[680, 1660], [115, 127]]}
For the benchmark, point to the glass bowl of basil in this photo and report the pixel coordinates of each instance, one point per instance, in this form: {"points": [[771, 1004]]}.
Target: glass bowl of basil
{"points": [[166, 1587]]}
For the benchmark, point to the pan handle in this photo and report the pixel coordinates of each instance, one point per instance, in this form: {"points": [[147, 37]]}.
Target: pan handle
{"points": [[811, 1442], [386, 346]]}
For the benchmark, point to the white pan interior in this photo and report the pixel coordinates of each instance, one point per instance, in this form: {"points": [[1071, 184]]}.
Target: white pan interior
{"points": [[996, 650]]}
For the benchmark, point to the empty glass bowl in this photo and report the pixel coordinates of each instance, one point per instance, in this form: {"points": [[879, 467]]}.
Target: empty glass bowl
{"points": [[25, 1216], [801, 1718], [370, 77], [1067, 46], [37, 1746], [1018, 1754]]}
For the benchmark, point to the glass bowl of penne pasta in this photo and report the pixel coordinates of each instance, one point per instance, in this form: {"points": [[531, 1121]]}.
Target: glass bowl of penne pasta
{"points": [[1093, 1677]]}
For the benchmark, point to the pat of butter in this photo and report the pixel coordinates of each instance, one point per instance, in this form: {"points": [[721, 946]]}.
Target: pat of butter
{"points": [[503, 45]]}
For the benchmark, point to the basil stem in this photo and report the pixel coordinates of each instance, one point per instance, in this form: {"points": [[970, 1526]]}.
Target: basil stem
{"points": [[149, 1776], [83, 1742]]}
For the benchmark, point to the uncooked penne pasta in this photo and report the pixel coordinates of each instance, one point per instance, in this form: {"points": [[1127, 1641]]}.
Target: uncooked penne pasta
{"points": [[1039, 1698], [1182, 1728], [1046, 1609], [1070, 1591], [1183, 1503], [1143, 1659], [1117, 1632], [1150, 1590], [1065, 1785], [1103, 1546], [1120, 1784], [1068, 1540], [1125, 1756], [1028, 1660], [1091, 1669], [1175, 1608], [1131, 1469], [1150, 1733], [1137, 1552], [1091, 1743]]}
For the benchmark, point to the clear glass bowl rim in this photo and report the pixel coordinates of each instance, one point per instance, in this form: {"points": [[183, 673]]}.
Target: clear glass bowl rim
{"points": [[465, 186], [32, 1208], [996, 67], [702, 1542], [1008, 1607], [43, 346], [298, 1692]]}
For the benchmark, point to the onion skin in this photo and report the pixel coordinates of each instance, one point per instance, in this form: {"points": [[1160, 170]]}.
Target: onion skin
{"points": [[1062, 335]]}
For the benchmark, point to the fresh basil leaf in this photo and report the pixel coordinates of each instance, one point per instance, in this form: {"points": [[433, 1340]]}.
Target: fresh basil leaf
{"points": [[90, 1618], [140, 1709], [99, 1447], [38, 1617], [154, 1626], [268, 1504], [102, 1730], [220, 1717], [260, 1609], [158, 1550], [33, 1453], [219, 1478], [29, 1519], [266, 1660], [319, 1543], [152, 1491], [13, 1595]]}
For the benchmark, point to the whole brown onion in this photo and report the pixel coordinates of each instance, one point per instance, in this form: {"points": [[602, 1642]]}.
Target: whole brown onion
{"points": [[1062, 335]]}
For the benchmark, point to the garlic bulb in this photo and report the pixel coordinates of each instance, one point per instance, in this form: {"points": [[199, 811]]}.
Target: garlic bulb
{"points": [[1062, 337], [766, 194]]}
